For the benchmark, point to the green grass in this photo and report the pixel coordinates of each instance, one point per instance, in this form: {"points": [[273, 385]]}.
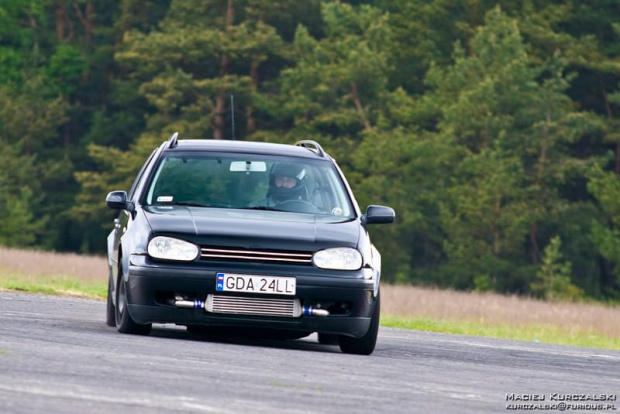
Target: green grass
{"points": [[53, 285], [534, 333]]}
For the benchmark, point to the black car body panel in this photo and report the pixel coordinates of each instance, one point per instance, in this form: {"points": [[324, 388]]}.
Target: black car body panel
{"points": [[250, 229], [153, 286]]}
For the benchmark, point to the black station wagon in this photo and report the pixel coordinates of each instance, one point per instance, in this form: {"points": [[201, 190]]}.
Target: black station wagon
{"points": [[245, 235]]}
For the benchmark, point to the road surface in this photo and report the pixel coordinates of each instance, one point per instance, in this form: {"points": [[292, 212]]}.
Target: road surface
{"points": [[58, 356]]}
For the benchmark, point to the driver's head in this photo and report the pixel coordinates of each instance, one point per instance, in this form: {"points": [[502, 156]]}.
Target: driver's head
{"points": [[286, 182]]}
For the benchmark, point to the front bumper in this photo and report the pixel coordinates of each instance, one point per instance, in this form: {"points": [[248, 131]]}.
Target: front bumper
{"points": [[148, 280]]}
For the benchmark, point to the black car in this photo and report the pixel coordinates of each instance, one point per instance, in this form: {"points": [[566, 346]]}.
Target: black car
{"points": [[245, 235]]}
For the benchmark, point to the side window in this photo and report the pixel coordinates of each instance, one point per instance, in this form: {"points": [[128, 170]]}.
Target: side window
{"points": [[132, 190]]}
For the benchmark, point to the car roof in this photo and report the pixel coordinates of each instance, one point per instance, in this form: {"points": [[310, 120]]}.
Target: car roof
{"points": [[248, 147]]}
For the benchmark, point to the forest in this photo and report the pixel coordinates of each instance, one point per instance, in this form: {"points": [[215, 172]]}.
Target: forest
{"points": [[491, 127]]}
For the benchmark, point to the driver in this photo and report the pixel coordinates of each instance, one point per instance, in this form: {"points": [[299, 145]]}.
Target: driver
{"points": [[286, 182]]}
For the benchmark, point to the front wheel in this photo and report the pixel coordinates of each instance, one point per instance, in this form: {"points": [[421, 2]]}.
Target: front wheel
{"points": [[124, 322], [366, 344]]}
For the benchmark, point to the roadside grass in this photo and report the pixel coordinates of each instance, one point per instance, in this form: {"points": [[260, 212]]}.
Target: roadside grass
{"points": [[61, 285], [66, 274], [409, 307], [532, 333], [499, 316]]}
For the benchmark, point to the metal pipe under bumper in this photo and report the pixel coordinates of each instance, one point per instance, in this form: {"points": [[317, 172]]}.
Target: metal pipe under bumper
{"points": [[310, 311], [189, 304]]}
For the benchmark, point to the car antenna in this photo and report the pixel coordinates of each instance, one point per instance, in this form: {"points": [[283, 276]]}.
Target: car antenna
{"points": [[232, 113]]}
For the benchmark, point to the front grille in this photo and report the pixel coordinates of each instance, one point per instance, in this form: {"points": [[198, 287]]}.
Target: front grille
{"points": [[256, 255], [253, 306]]}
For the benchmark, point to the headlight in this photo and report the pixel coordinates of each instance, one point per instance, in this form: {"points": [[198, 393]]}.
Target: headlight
{"points": [[340, 258], [172, 249]]}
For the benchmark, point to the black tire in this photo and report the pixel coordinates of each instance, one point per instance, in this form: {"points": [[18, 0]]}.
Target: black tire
{"points": [[366, 344], [124, 323], [110, 311], [328, 339]]}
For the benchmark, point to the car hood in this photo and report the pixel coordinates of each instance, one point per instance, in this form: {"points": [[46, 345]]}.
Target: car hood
{"points": [[252, 229]]}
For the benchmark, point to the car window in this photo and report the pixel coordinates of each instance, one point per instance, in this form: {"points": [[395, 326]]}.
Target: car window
{"points": [[250, 181]]}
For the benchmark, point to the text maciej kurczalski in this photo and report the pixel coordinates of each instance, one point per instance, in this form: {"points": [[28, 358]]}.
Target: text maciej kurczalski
{"points": [[561, 397]]}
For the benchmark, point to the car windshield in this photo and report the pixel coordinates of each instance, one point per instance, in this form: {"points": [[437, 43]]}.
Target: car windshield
{"points": [[252, 182]]}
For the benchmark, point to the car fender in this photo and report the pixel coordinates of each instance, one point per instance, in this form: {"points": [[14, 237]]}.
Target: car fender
{"points": [[371, 258], [112, 265], [134, 240], [376, 267], [112, 260]]}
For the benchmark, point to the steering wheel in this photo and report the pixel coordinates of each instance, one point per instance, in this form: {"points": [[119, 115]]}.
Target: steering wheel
{"points": [[297, 206]]}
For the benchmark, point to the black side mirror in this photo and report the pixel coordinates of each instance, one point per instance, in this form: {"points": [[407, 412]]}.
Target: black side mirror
{"points": [[117, 200], [379, 214]]}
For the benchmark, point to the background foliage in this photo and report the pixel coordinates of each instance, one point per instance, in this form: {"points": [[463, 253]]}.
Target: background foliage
{"points": [[492, 127]]}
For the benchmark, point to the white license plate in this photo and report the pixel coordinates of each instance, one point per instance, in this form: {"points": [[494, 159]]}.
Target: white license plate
{"points": [[273, 285]]}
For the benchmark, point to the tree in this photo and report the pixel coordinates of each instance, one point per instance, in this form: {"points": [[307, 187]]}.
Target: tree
{"points": [[511, 120], [605, 233], [553, 279], [184, 87], [21, 225], [335, 79]]}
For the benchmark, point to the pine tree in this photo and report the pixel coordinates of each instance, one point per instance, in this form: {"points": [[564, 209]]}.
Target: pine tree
{"points": [[511, 121], [553, 279]]}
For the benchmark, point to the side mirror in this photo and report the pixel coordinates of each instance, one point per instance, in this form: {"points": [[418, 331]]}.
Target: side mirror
{"points": [[117, 200], [379, 214]]}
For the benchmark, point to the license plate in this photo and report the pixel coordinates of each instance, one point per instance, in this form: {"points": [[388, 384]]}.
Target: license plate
{"points": [[273, 285]]}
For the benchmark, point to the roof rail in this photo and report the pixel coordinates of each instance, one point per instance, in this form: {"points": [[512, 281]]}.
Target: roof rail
{"points": [[172, 142], [307, 143]]}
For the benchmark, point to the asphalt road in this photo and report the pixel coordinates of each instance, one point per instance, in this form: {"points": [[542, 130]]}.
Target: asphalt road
{"points": [[57, 355]]}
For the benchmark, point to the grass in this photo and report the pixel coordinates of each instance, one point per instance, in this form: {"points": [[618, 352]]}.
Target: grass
{"points": [[37, 263], [499, 316], [478, 314], [534, 333], [51, 273], [62, 285]]}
